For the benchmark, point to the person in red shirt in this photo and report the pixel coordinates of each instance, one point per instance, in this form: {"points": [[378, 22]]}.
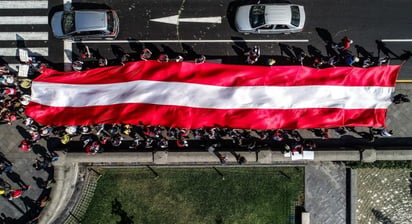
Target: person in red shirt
{"points": [[25, 145], [344, 44], [17, 193]]}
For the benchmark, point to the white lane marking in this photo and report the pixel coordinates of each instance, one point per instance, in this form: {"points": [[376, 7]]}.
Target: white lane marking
{"points": [[23, 4], [175, 20], [67, 44], [24, 35], [67, 55], [15, 20], [191, 41], [396, 40], [33, 51]]}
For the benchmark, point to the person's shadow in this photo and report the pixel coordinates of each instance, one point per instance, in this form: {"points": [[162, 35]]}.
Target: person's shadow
{"points": [[325, 35], [313, 51], [7, 220], [360, 51], [240, 47], [189, 52], [169, 51], [23, 132], [29, 203], [286, 50], [16, 179], [385, 50]]}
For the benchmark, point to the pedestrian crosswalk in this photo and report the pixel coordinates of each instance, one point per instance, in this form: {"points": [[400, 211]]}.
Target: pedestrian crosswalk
{"points": [[23, 24]]}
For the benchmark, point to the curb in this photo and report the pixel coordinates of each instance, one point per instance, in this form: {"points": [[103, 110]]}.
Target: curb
{"points": [[66, 179]]}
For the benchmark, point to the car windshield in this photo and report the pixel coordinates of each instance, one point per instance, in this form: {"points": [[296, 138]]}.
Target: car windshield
{"points": [[68, 22], [295, 16], [110, 21], [257, 16]]}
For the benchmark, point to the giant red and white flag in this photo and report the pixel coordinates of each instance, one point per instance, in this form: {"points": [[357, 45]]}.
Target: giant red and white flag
{"points": [[206, 95]]}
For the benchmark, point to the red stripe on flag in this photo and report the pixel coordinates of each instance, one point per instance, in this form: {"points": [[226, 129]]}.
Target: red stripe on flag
{"points": [[177, 116], [228, 75]]}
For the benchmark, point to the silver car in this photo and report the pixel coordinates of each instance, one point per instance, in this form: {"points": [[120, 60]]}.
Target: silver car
{"points": [[270, 18], [85, 24]]}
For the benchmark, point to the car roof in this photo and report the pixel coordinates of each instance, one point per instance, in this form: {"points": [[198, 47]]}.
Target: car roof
{"points": [[278, 14], [87, 20]]}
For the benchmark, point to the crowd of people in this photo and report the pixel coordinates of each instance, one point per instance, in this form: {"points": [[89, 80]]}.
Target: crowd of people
{"points": [[16, 94], [338, 54]]}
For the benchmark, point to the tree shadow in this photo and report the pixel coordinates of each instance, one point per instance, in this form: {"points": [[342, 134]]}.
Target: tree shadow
{"points": [[117, 210], [381, 217]]}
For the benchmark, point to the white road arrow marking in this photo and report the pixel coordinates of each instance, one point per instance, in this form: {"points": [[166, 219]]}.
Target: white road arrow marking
{"points": [[175, 20]]}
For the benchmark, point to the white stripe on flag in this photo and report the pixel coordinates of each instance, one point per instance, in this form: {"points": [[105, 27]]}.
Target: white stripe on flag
{"points": [[33, 51], [207, 96], [16, 20], [24, 35], [23, 4]]}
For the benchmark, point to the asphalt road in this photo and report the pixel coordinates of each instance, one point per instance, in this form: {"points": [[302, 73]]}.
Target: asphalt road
{"points": [[363, 21]]}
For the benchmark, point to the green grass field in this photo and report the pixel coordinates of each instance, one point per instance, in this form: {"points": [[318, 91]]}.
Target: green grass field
{"points": [[196, 195]]}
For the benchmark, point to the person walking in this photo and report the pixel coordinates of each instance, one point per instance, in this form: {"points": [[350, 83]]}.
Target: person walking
{"points": [[344, 44], [350, 60]]}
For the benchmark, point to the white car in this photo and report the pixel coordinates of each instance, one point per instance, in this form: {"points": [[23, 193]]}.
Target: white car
{"points": [[85, 24], [270, 18]]}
